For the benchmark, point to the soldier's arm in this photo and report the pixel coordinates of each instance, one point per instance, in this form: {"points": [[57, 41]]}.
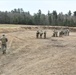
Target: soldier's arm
{"points": [[6, 40]]}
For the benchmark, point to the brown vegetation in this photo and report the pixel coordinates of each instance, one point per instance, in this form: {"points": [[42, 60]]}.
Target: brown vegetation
{"points": [[27, 55]]}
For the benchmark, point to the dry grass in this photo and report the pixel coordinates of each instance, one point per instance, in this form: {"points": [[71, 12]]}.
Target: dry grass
{"points": [[27, 55]]}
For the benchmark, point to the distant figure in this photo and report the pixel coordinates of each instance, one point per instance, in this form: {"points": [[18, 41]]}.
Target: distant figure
{"points": [[37, 34], [67, 32], [44, 34], [55, 33], [4, 41], [41, 33], [61, 33]]}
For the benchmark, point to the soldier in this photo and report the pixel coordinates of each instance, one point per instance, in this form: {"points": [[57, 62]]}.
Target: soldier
{"points": [[67, 32], [61, 33], [55, 33], [41, 33], [44, 34], [37, 34], [4, 44]]}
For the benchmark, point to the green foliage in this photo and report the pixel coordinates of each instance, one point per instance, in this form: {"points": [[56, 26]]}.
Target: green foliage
{"points": [[74, 13], [69, 13], [19, 16]]}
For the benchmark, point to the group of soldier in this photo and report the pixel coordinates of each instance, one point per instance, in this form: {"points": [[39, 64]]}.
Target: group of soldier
{"points": [[61, 32], [56, 33], [40, 33]]}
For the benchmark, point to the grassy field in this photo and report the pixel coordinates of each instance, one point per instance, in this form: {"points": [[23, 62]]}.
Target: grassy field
{"points": [[8, 25], [27, 55]]}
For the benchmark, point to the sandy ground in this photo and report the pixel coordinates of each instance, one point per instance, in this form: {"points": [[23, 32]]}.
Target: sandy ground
{"points": [[27, 55]]}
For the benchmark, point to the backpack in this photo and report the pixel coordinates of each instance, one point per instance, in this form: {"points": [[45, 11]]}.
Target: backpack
{"points": [[4, 40]]}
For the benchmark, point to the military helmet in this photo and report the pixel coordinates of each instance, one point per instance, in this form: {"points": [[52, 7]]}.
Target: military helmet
{"points": [[3, 35]]}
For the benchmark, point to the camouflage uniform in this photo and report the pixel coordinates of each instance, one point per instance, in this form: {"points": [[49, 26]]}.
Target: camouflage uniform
{"points": [[61, 33], [41, 33], [67, 32], [37, 34], [44, 34], [55, 33], [4, 44]]}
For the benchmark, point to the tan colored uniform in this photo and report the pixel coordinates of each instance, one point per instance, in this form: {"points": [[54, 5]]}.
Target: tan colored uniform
{"points": [[4, 44]]}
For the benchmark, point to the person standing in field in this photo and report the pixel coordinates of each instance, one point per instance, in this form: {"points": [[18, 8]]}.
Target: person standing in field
{"points": [[41, 33], [4, 41], [44, 34], [37, 34]]}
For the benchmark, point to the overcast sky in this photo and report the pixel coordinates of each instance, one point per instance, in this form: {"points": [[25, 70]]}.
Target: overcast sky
{"points": [[34, 5]]}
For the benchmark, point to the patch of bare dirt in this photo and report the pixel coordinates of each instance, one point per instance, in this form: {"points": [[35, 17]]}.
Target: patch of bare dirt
{"points": [[27, 55]]}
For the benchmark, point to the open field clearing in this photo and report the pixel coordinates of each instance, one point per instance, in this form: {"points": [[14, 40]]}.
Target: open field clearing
{"points": [[27, 55]]}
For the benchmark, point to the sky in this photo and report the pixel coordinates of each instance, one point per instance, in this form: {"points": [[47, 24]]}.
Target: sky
{"points": [[34, 5]]}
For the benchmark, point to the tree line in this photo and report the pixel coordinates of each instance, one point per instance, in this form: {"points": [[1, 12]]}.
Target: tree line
{"points": [[19, 16]]}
